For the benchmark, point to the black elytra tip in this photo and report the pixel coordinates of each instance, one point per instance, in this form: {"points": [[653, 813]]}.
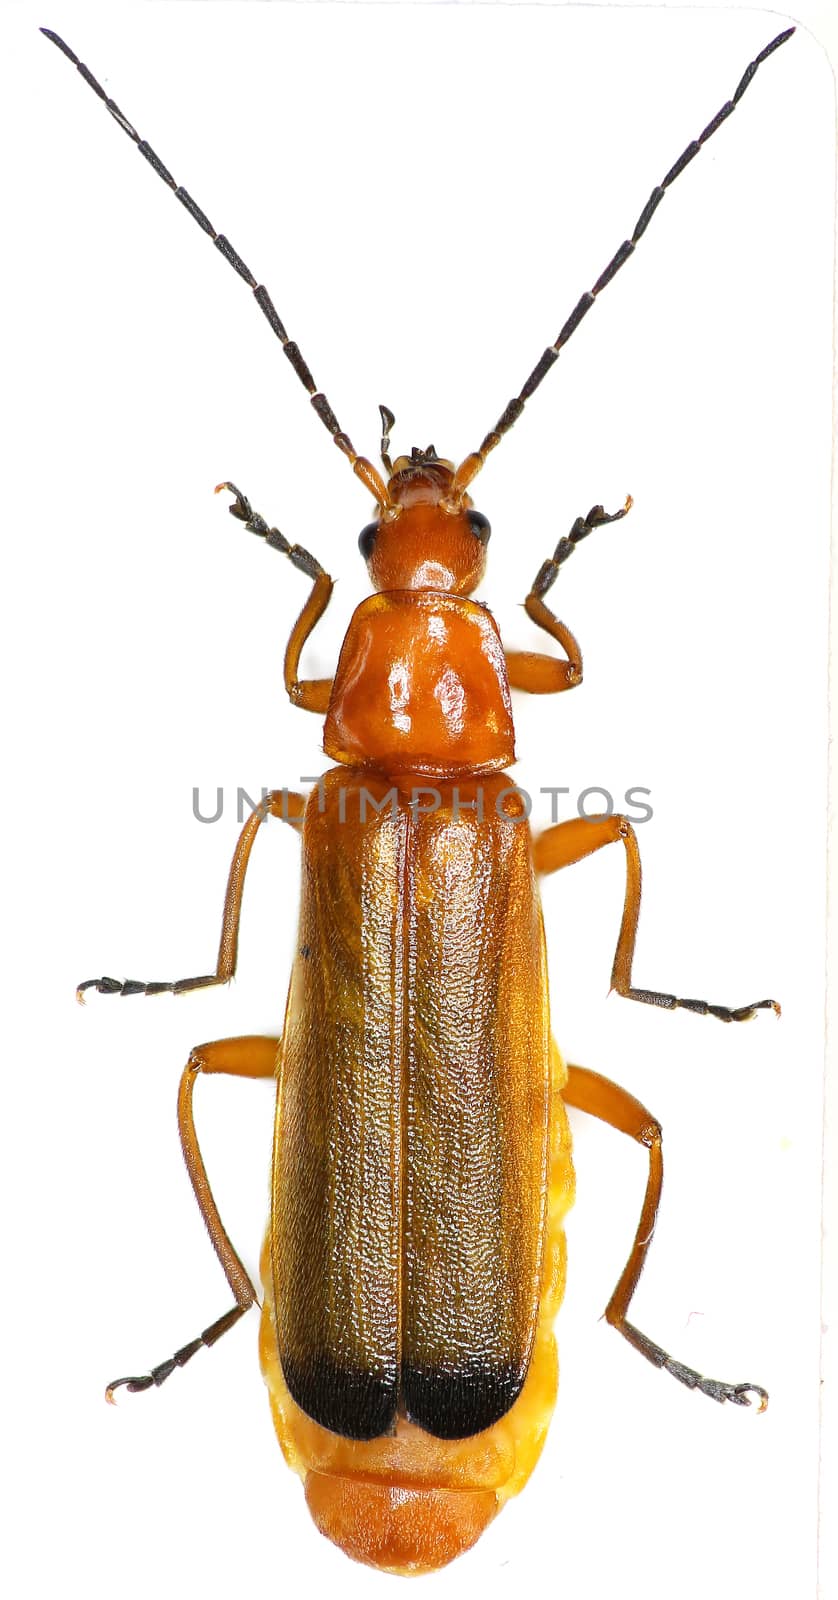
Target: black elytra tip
{"points": [[349, 1401]]}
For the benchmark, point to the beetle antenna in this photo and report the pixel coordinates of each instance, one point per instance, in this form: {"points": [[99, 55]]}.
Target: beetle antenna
{"points": [[469, 468], [364, 469]]}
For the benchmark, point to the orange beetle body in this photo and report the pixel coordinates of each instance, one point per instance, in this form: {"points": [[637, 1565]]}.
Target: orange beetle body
{"points": [[415, 1259]]}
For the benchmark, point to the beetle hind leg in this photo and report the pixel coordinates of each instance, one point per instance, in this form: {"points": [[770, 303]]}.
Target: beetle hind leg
{"points": [[247, 1057], [601, 1098]]}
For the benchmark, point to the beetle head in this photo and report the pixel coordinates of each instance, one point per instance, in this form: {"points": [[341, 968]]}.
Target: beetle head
{"points": [[425, 539]]}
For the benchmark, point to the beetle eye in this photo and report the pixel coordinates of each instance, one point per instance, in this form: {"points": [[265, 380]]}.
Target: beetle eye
{"points": [[366, 540], [480, 526]]}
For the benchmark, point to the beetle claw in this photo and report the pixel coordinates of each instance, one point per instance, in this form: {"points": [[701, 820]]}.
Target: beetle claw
{"points": [[743, 1392], [241, 507], [133, 1385]]}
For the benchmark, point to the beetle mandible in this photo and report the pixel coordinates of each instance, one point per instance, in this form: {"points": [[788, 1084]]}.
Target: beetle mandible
{"points": [[415, 1261]]}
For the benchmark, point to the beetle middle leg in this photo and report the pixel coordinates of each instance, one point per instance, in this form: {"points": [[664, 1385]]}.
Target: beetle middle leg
{"points": [[568, 842], [280, 803], [246, 1057], [601, 1098]]}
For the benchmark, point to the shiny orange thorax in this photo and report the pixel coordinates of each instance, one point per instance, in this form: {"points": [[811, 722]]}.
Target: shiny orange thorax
{"points": [[421, 686]]}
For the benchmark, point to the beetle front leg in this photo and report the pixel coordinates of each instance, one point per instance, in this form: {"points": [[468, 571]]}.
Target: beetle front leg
{"points": [[569, 842], [247, 1057], [531, 670], [279, 803], [601, 1098], [311, 694]]}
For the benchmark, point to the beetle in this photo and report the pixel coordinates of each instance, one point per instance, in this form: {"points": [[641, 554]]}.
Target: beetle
{"points": [[419, 474]]}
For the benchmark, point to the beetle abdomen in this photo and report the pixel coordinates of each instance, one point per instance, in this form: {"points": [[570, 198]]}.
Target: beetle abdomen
{"points": [[405, 1531]]}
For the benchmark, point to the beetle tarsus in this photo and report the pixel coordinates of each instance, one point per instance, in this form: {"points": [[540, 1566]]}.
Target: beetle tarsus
{"points": [[254, 522], [701, 1008], [158, 1375], [131, 986], [597, 517], [738, 1393], [101, 985]]}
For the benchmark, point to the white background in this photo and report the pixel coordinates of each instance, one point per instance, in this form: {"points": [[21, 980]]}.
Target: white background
{"points": [[426, 193]]}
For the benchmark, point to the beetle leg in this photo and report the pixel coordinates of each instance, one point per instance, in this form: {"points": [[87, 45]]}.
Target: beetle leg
{"points": [[312, 694], [248, 1057], [528, 669], [569, 842], [601, 1098], [279, 803]]}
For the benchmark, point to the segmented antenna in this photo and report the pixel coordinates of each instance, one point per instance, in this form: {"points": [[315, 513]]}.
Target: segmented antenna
{"points": [[363, 468], [469, 468]]}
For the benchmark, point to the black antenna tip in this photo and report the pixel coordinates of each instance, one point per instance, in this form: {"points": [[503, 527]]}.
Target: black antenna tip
{"points": [[56, 39], [775, 43]]}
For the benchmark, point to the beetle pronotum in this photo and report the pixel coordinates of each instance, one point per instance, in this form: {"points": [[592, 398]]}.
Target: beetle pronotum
{"points": [[578, 581]]}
